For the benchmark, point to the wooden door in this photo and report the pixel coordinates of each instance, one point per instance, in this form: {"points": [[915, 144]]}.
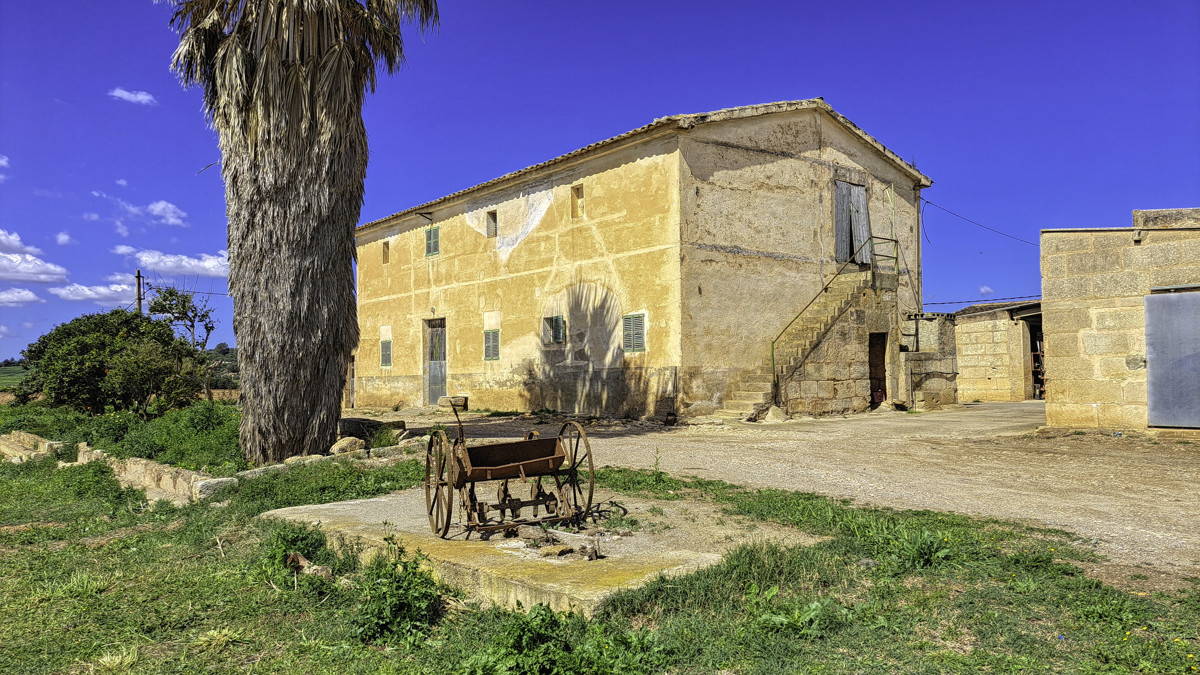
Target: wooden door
{"points": [[435, 361]]}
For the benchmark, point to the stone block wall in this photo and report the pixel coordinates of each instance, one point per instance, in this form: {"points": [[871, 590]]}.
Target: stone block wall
{"points": [[1093, 288], [931, 373], [836, 377], [993, 359]]}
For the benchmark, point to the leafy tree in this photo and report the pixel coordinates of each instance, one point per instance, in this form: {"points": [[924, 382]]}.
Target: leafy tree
{"points": [[119, 358], [284, 82], [194, 322]]}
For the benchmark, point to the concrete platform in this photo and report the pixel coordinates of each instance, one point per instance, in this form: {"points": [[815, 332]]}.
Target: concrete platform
{"points": [[504, 572]]}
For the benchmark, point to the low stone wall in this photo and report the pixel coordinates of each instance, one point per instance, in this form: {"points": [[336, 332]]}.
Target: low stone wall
{"points": [[21, 446], [181, 486]]}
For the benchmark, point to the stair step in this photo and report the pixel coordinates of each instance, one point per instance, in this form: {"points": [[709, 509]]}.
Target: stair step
{"points": [[741, 406], [751, 396]]}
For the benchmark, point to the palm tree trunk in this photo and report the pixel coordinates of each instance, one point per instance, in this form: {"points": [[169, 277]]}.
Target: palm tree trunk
{"points": [[291, 251]]}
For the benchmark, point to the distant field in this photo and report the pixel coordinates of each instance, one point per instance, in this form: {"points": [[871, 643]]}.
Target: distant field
{"points": [[10, 376]]}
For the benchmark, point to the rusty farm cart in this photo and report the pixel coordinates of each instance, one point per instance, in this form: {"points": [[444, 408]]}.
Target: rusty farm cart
{"points": [[556, 474]]}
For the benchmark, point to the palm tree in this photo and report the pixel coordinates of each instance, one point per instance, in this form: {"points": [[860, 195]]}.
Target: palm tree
{"points": [[284, 82]]}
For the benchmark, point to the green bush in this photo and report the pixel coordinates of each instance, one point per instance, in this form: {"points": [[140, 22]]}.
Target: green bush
{"points": [[544, 642], [399, 600], [202, 436], [96, 481], [120, 359]]}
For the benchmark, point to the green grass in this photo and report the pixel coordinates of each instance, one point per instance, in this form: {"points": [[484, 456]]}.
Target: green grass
{"points": [[94, 579], [10, 376]]}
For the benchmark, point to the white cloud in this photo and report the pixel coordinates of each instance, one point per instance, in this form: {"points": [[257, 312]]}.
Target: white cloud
{"points": [[49, 194], [171, 264], [3, 161], [139, 97], [121, 278], [167, 213], [16, 297], [6, 332], [107, 296], [122, 182], [10, 242], [986, 290], [62, 238], [121, 229], [91, 216], [27, 324], [25, 267]]}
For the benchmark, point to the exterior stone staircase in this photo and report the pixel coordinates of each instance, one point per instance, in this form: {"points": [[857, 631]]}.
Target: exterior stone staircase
{"points": [[755, 391]]}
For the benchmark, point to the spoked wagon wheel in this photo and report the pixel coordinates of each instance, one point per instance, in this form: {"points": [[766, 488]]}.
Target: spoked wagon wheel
{"points": [[580, 473], [439, 494]]}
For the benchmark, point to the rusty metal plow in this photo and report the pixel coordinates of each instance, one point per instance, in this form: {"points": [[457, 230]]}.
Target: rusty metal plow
{"points": [[558, 472]]}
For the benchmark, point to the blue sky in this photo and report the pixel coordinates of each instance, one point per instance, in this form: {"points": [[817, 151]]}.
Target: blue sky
{"points": [[1026, 116]]}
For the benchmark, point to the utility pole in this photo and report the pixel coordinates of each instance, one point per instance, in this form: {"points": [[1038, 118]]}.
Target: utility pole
{"points": [[139, 290]]}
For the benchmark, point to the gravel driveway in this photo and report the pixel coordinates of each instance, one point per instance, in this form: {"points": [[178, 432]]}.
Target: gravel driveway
{"points": [[1137, 496]]}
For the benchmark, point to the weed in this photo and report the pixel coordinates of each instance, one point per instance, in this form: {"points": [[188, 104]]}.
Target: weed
{"points": [[1078, 432], [399, 600], [217, 640], [119, 661], [382, 438]]}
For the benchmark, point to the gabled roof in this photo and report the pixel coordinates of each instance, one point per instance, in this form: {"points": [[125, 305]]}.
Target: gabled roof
{"points": [[679, 122]]}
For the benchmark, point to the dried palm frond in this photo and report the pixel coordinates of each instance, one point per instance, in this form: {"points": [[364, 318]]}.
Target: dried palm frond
{"points": [[283, 83]]}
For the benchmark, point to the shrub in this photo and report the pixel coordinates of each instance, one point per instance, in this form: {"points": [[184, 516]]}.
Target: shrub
{"points": [[202, 436], [96, 481], [120, 359], [399, 600]]}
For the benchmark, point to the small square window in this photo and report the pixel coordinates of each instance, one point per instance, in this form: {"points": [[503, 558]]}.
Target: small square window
{"points": [[554, 330], [385, 353], [387, 253], [493, 224], [576, 201], [432, 241], [491, 345], [633, 332]]}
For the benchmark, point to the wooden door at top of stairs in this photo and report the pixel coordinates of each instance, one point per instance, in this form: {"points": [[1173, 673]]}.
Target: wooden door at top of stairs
{"points": [[435, 361]]}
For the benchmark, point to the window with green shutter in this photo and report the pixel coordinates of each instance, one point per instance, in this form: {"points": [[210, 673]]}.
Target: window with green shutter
{"points": [[554, 330], [432, 241], [633, 332], [385, 353], [491, 345]]}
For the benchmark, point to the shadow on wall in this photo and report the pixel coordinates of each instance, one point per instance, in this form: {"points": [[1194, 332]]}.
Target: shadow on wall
{"points": [[582, 367]]}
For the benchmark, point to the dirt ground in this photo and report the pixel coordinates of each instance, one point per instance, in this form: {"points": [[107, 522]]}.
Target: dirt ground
{"points": [[1136, 497]]}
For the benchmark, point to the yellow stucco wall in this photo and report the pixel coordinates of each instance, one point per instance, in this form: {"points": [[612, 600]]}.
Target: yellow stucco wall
{"points": [[620, 256], [1093, 288]]}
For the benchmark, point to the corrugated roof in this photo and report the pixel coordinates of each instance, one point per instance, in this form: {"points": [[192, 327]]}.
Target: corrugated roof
{"points": [[682, 122], [982, 307]]}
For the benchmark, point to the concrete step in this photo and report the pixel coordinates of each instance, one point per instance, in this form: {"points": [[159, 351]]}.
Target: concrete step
{"points": [[751, 396], [741, 406]]}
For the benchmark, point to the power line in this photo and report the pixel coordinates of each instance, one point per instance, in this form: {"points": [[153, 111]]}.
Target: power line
{"points": [[989, 229], [972, 302]]}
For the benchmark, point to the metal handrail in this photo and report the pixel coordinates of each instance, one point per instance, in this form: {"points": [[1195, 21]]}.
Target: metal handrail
{"points": [[869, 242]]}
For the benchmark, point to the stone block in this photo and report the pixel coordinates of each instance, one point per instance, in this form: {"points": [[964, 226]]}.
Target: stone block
{"points": [[1151, 256], [1060, 415], [1189, 249], [1104, 343], [825, 389], [347, 444], [1084, 391], [1111, 368], [1179, 276], [1122, 416], [1094, 262], [261, 471], [859, 371], [207, 488], [808, 389], [1133, 393], [1070, 288], [298, 459], [1120, 284], [1054, 266], [1120, 318], [1115, 240], [1064, 242]]}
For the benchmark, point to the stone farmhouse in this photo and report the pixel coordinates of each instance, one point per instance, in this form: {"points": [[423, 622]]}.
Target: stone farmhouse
{"points": [[1121, 310], [715, 262]]}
